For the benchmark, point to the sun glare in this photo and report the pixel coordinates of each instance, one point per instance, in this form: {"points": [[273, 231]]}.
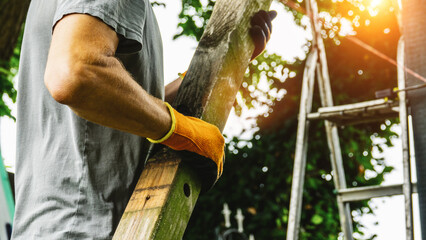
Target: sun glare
{"points": [[373, 8], [375, 3]]}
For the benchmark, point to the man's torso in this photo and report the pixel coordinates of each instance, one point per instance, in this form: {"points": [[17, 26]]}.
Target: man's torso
{"points": [[74, 177]]}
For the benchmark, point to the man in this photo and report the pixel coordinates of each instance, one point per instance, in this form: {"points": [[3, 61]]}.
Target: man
{"points": [[90, 84]]}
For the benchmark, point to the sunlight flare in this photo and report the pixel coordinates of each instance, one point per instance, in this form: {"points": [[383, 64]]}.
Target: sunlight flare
{"points": [[375, 3]]}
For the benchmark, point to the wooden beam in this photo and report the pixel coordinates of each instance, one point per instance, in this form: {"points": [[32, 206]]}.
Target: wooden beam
{"points": [[168, 188]]}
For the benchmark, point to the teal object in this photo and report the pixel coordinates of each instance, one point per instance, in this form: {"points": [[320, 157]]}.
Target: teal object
{"points": [[7, 189]]}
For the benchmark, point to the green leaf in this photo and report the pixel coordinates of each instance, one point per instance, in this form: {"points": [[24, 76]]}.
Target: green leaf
{"points": [[316, 219]]}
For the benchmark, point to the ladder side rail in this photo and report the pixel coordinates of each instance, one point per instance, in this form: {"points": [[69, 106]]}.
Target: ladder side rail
{"points": [[326, 97], [339, 174], [407, 187], [296, 197], [332, 137], [331, 129]]}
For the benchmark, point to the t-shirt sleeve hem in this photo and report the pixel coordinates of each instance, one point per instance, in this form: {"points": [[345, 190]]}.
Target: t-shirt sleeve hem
{"points": [[126, 32]]}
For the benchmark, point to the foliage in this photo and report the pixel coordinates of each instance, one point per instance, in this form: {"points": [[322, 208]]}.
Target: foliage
{"points": [[257, 176], [194, 17], [156, 4], [8, 70]]}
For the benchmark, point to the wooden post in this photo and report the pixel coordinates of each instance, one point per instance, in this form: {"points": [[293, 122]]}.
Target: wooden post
{"points": [[166, 193]]}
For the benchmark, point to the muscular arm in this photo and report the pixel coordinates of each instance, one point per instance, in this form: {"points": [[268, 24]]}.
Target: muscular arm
{"points": [[83, 74]]}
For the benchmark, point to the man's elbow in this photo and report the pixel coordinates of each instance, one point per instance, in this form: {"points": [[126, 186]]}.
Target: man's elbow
{"points": [[64, 82]]}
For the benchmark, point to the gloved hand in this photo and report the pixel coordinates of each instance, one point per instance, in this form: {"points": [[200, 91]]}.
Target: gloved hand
{"points": [[195, 135], [261, 30]]}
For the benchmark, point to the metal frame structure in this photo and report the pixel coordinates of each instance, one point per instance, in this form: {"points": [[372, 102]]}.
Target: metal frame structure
{"points": [[342, 115]]}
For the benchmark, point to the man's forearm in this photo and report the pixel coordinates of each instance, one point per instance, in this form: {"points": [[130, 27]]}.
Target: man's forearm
{"points": [[110, 97]]}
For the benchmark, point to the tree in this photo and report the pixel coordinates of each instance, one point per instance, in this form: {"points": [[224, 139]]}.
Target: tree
{"points": [[257, 176], [258, 171], [12, 17]]}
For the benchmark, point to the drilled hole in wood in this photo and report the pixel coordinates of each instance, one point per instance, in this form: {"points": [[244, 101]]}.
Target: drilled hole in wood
{"points": [[186, 190]]}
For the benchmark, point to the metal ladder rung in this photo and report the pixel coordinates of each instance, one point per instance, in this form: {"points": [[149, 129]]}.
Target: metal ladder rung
{"points": [[365, 193], [357, 112]]}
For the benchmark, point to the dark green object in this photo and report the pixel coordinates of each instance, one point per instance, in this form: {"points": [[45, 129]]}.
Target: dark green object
{"points": [[7, 190]]}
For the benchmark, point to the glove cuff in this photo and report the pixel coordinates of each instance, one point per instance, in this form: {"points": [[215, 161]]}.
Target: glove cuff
{"points": [[172, 128], [182, 75]]}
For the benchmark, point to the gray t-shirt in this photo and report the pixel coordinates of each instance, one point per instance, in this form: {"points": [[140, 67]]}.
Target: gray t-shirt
{"points": [[73, 177]]}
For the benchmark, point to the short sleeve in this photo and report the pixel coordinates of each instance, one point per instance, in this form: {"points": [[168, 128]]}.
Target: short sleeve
{"points": [[126, 17]]}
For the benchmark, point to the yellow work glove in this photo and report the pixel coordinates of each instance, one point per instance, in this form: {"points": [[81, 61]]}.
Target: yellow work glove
{"points": [[195, 135]]}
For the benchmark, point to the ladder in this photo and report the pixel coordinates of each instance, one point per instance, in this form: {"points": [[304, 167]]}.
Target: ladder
{"points": [[334, 116]]}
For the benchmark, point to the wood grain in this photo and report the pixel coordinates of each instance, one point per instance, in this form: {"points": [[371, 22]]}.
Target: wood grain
{"points": [[168, 188]]}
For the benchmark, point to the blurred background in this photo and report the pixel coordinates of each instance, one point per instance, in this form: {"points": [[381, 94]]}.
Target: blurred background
{"points": [[261, 130]]}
